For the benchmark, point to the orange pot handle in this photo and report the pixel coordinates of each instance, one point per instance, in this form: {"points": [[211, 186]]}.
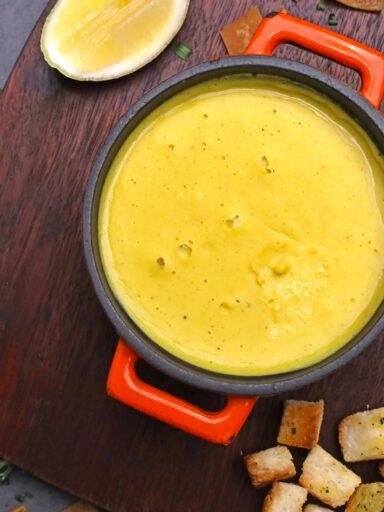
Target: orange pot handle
{"points": [[283, 28], [217, 427]]}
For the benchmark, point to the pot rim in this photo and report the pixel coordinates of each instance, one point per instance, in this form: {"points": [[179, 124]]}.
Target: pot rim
{"points": [[125, 327]]}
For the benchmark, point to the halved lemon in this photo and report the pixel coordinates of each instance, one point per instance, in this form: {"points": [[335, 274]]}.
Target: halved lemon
{"points": [[104, 39]]}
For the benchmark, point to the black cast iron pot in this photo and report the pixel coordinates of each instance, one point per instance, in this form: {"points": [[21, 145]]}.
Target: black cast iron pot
{"points": [[356, 106]]}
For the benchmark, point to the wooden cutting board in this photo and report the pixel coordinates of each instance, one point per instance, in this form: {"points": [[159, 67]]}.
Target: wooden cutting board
{"points": [[56, 345]]}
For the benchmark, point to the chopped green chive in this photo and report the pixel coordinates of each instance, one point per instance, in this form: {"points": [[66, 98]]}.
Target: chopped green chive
{"points": [[5, 470], [332, 19], [20, 498], [352, 85], [3, 464], [320, 6], [183, 51]]}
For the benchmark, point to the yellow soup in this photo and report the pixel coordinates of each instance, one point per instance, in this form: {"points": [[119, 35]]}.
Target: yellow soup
{"points": [[241, 226]]}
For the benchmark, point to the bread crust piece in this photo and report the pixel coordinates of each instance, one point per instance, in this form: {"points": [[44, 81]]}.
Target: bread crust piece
{"points": [[361, 435], [238, 34], [327, 479], [367, 498], [316, 508], [301, 423], [285, 497], [270, 465]]}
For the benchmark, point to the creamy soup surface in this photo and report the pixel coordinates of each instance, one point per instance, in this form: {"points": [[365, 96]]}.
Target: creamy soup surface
{"points": [[241, 226]]}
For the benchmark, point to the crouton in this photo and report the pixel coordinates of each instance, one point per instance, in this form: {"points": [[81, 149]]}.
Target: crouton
{"points": [[285, 497], [367, 498], [316, 508], [361, 435], [328, 479], [381, 469], [270, 465], [301, 423]]}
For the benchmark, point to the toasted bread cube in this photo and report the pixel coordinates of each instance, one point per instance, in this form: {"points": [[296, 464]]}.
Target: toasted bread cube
{"points": [[285, 498], [301, 423], [316, 508], [381, 469], [328, 479], [361, 435], [270, 465], [367, 498]]}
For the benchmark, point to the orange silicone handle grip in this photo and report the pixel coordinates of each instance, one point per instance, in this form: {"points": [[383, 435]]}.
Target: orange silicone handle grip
{"points": [[283, 28], [217, 427]]}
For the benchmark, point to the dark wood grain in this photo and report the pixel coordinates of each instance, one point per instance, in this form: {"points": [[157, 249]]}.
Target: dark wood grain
{"points": [[56, 344]]}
